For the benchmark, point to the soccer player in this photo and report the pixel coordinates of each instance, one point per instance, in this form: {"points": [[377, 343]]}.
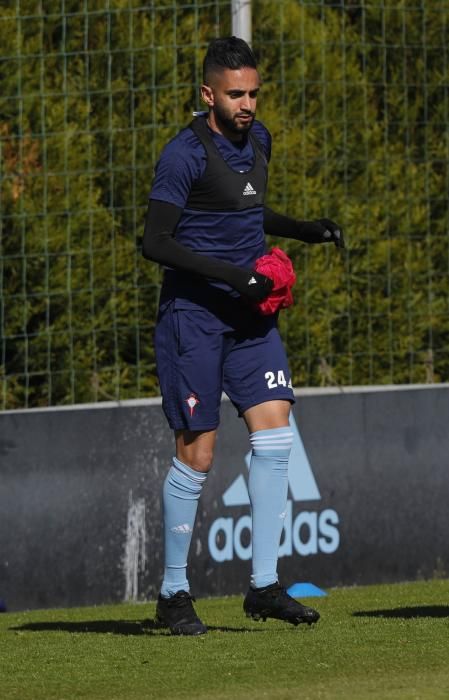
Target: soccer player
{"points": [[206, 224]]}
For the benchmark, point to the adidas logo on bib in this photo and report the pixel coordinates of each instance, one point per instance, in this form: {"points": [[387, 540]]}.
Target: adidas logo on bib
{"points": [[249, 189]]}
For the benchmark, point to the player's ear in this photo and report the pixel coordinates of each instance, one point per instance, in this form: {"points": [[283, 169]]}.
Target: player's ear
{"points": [[207, 95]]}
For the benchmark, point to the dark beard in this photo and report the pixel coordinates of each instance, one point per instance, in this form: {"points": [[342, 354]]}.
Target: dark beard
{"points": [[230, 124]]}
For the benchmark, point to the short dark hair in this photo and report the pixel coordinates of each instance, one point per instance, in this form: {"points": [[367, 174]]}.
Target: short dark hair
{"points": [[227, 52]]}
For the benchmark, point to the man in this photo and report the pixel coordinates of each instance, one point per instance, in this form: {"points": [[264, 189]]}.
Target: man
{"points": [[206, 223]]}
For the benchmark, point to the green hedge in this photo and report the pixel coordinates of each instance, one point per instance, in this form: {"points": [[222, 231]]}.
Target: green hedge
{"points": [[356, 98]]}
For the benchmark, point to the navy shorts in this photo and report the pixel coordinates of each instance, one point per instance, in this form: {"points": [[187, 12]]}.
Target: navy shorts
{"points": [[200, 354]]}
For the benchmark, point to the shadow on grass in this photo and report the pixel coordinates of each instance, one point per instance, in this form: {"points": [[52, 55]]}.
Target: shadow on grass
{"points": [[125, 627], [408, 612]]}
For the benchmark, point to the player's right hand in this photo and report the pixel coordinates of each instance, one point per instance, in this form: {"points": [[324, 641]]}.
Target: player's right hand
{"points": [[254, 286]]}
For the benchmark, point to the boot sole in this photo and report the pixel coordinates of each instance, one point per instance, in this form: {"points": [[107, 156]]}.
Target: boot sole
{"points": [[258, 617]]}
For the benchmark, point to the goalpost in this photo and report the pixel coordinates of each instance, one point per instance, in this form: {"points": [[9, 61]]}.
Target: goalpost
{"points": [[242, 20]]}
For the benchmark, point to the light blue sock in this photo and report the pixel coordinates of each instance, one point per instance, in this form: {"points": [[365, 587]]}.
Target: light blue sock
{"points": [[180, 495], [268, 489]]}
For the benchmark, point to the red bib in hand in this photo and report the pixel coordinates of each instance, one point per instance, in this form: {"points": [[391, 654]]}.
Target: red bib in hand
{"points": [[278, 266]]}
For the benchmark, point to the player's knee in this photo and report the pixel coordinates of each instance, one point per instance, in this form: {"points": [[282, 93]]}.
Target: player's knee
{"points": [[195, 449], [199, 459], [203, 459]]}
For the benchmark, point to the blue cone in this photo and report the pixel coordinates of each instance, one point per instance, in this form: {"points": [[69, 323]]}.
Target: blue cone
{"points": [[305, 590]]}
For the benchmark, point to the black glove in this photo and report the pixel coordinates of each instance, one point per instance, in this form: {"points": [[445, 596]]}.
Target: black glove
{"points": [[250, 284], [329, 231], [320, 231]]}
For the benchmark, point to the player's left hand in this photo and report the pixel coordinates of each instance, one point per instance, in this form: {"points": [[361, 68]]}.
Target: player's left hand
{"points": [[331, 232]]}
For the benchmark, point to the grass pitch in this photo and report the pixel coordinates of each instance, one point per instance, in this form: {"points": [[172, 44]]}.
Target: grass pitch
{"points": [[375, 642]]}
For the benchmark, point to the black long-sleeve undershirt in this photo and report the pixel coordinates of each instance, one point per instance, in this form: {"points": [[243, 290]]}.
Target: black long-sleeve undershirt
{"points": [[160, 245], [275, 224]]}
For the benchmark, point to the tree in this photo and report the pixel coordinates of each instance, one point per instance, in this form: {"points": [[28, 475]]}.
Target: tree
{"points": [[356, 99]]}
